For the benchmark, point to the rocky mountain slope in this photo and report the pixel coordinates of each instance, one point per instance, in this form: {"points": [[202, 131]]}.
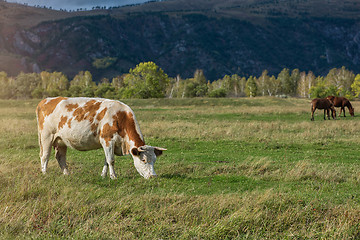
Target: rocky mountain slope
{"points": [[220, 37]]}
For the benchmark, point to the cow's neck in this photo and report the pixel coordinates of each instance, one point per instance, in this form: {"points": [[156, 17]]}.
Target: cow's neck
{"points": [[136, 143], [132, 130], [131, 141]]}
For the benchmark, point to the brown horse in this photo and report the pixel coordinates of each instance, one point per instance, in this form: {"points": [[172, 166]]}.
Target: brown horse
{"points": [[342, 102], [323, 103]]}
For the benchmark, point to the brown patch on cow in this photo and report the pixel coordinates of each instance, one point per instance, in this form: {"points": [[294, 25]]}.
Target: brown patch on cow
{"points": [[101, 114], [69, 122], [94, 127], [45, 108], [107, 132], [79, 114], [126, 125], [71, 107], [99, 117], [88, 112], [62, 122]]}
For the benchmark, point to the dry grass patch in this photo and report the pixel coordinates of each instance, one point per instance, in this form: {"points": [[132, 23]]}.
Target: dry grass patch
{"points": [[18, 126]]}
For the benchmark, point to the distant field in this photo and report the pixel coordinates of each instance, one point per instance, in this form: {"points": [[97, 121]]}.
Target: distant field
{"points": [[248, 168]]}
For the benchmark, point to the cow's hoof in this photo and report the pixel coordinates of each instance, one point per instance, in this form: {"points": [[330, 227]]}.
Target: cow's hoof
{"points": [[113, 176], [66, 172]]}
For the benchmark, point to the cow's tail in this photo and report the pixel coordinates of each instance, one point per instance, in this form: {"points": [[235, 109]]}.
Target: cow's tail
{"points": [[39, 135], [41, 149]]}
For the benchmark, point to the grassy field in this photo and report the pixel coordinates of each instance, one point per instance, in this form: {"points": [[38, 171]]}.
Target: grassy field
{"points": [[235, 169]]}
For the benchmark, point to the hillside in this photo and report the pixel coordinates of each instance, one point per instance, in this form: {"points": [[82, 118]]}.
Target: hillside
{"points": [[220, 37], [15, 18]]}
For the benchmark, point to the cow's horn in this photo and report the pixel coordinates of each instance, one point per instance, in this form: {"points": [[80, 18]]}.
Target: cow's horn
{"points": [[142, 149]]}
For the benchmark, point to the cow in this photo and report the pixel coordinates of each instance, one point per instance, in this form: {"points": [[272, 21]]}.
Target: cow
{"points": [[92, 123]]}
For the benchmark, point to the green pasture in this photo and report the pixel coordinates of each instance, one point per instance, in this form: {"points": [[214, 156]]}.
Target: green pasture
{"points": [[247, 168]]}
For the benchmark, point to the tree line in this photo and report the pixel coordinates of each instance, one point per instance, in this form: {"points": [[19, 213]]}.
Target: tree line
{"points": [[147, 80]]}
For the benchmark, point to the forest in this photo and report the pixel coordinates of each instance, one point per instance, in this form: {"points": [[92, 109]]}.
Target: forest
{"points": [[148, 80]]}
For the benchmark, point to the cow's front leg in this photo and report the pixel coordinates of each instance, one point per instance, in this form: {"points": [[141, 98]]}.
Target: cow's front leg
{"points": [[109, 156], [105, 169]]}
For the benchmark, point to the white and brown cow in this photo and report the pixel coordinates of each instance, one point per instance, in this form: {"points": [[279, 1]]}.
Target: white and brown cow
{"points": [[91, 123]]}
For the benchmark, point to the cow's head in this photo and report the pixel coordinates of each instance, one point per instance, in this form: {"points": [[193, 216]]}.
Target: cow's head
{"points": [[145, 158]]}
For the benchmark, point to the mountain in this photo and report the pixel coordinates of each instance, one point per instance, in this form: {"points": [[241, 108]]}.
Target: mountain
{"points": [[220, 37]]}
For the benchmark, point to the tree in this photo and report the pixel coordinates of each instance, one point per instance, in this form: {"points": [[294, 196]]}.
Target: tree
{"points": [[82, 85], [306, 81], [235, 89], [318, 90], [200, 83], [230, 84], [294, 80], [272, 85], [118, 82], [251, 88], [119, 86], [58, 84], [196, 86], [6, 90], [105, 90], [301, 88], [285, 81], [341, 79], [25, 84], [242, 86], [146, 80], [176, 87], [355, 86], [263, 83], [321, 89]]}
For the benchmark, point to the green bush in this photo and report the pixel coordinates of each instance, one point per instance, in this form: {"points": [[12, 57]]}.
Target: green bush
{"points": [[218, 93]]}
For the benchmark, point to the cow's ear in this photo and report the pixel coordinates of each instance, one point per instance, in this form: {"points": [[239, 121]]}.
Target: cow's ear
{"points": [[135, 152], [158, 151]]}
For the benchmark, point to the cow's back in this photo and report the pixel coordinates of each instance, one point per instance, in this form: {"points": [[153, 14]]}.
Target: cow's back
{"points": [[77, 122]]}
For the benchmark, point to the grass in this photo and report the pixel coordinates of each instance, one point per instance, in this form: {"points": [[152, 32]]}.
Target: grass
{"points": [[235, 169]]}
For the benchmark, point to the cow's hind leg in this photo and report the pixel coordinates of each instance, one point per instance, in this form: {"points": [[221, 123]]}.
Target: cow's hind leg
{"points": [[109, 156], [45, 142], [60, 155]]}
